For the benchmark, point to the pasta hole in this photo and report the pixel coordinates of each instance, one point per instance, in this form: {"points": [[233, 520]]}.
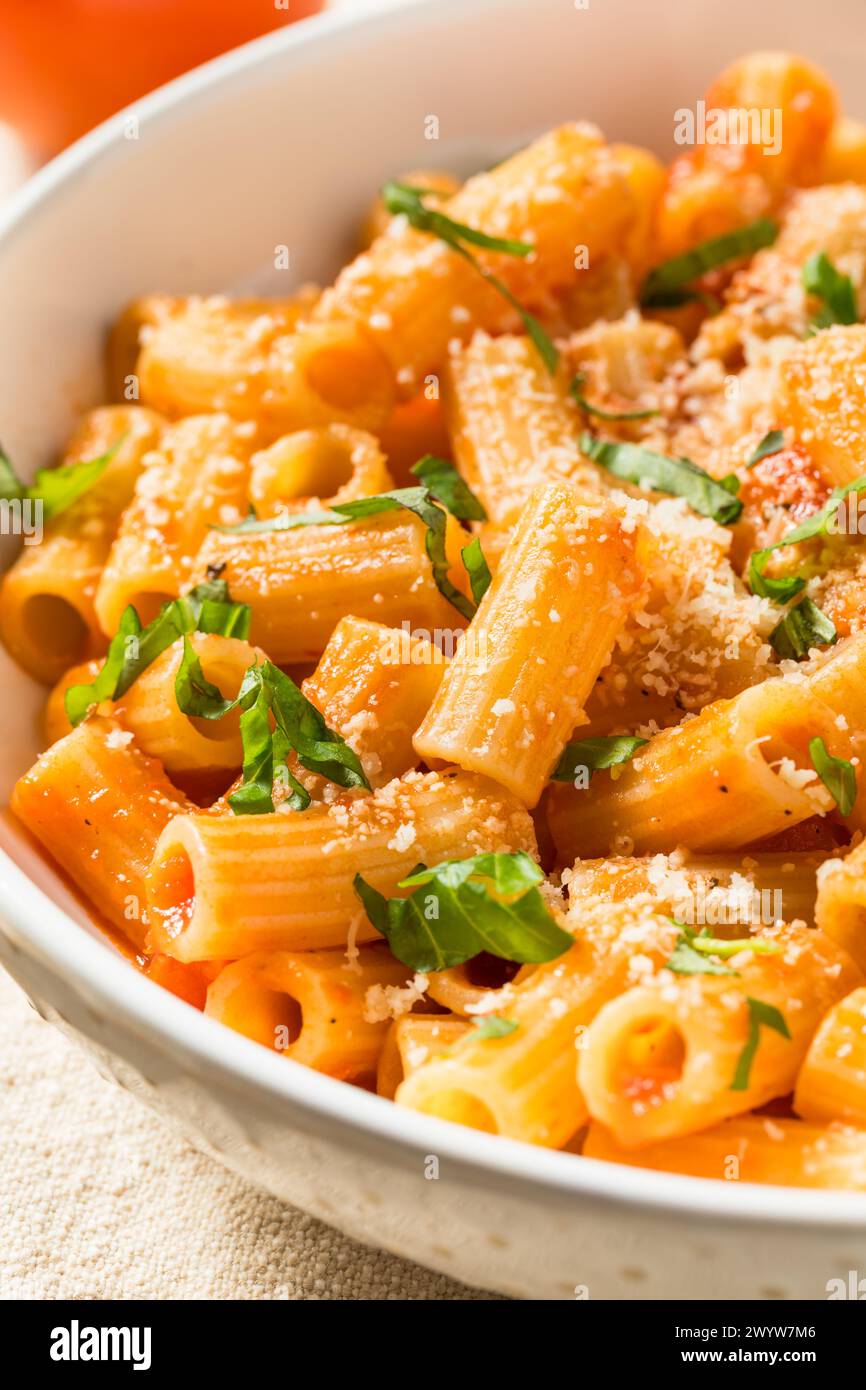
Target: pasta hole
{"points": [[311, 463], [651, 1058], [54, 625], [485, 971], [171, 887]]}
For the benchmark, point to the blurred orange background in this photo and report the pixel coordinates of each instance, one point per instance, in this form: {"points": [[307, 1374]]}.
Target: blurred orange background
{"points": [[65, 65]]}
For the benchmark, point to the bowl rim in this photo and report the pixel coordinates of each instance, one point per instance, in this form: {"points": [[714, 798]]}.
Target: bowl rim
{"points": [[98, 973]]}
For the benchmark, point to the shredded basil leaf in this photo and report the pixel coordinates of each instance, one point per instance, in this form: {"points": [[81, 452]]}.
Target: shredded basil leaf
{"points": [[678, 477], [772, 442], [445, 484], [494, 1026], [825, 282], [205, 608], [804, 626], [56, 488], [668, 285], [465, 906], [760, 1015], [837, 774], [477, 568], [687, 957], [785, 588], [594, 754], [575, 386], [194, 693], [298, 727]]}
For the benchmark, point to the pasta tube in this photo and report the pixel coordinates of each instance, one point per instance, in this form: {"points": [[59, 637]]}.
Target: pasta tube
{"points": [[513, 427], [410, 1042], [374, 685], [662, 1060], [329, 465], [751, 1148], [259, 363], [503, 708], [737, 773], [197, 478], [301, 582], [189, 745], [227, 886], [47, 616], [310, 1007], [831, 1084], [98, 806], [414, 294], [524, 1084]]}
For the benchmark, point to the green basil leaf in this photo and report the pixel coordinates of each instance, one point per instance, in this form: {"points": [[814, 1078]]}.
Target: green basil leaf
{"points": [[825, 282], [821, 523], [687, 958], [463, 907], [255, 796], [595, 754], [477, 568], [575, 387], [772, 442], [56, 488], [678, 477], [408, 200], [205, 608], [493, 1026], [667, 285], [837, 774], [760, 1015], [11, 487], [444, 482], [79, 698], [195, 695], [804, 626]]}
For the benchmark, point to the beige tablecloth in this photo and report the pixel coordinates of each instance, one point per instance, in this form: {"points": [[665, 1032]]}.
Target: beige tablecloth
{"points": [[100, 1200]]}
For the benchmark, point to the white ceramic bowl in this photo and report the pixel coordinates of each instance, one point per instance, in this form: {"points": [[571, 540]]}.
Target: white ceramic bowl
{"points": [[281, 143]]}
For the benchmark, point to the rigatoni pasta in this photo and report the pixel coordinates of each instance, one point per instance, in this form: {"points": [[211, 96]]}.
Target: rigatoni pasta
{"points": [[459, 673]]}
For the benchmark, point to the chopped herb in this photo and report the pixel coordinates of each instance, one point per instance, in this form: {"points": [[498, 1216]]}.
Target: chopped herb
{"points": [[477, 568], [493, 1026], [687, 957], [594, 754], [205, 608], [760, 1015], [781, 590], [195, 694], [669, 285], [56, 488], [770, 444], [837, 774], [298, 727], [825, 282], [447, 486], [401, 198], [678, 477], [575, 386], [465, 906], [803, 627]]}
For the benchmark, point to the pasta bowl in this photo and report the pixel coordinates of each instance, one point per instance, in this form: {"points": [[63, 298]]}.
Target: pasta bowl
{"points": [[198, 188]]}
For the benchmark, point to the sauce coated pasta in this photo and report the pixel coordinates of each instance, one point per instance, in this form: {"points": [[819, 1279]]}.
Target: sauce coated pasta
{"points": [[458, 673]]}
